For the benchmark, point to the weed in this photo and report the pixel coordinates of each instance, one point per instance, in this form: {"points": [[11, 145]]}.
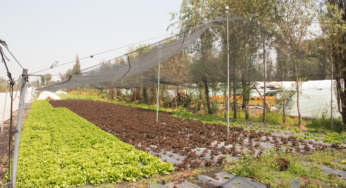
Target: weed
{"points": [[4, 159], [323, 123], [265, 169], [327, 158]]}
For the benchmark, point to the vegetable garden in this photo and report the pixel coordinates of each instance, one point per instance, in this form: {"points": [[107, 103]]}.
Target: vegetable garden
{"points": [[59, 148], [77, 142]]}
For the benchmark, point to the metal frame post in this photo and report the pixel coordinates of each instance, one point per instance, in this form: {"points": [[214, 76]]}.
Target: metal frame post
{"points": [[3, 115], [264, 80], [158, 86], [19, 127], [331, 100], [227, 76]]}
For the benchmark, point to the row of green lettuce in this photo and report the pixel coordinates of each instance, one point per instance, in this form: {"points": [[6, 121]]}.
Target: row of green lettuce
{"points": [[59, 148]]}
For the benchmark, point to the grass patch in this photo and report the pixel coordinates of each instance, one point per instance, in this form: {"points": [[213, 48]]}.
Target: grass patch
{"points": [[324, 123], [276, 118], [265, 169], [328, 158]]}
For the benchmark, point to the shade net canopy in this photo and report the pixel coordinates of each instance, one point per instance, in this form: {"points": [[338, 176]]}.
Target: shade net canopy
{"points": [[176, 54], [197, 58]]}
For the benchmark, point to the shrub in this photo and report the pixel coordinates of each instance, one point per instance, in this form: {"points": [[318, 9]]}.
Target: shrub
{"points": [[325, 123]]}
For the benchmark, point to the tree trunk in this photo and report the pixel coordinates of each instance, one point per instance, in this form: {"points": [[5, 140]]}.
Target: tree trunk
{"points": [[205, 81], [246, 95], [200, 99], [283, 112], [297, 85], [176, 104], [234, 90], [134, 92], [244, 92]]}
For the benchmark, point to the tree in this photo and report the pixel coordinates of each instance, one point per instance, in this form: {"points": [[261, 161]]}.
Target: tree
{"points": [[76, 68], [292, 28], [284, 101], [48, 78], [62, 76], [43, 80], [206, 70], [333, 18]]}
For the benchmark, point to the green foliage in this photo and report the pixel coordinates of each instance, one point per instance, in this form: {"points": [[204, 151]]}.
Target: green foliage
{"points": [[103, 96], [264, 169], [334, 138], [59, 148], [284, 99], [275, 118], [324, 123], [327, 158]]}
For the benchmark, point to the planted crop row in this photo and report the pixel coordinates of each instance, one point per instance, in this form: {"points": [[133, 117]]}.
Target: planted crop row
{"points": [[60, 148], [185, 137]]}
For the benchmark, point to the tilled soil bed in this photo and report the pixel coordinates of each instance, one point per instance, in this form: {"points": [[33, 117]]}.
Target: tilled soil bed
{"points": [[184, 142]]}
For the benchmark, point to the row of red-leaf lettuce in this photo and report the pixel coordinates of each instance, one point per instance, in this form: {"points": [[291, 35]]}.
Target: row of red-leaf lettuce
{"points": [[59, 148]]}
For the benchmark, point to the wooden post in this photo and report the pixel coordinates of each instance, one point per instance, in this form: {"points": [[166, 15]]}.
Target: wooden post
{"points": [[265, 102]]}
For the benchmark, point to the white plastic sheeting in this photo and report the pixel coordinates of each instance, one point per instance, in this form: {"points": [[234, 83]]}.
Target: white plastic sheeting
{"points": [[60, 92], [29, 95], [45, 94], [314, 97]]}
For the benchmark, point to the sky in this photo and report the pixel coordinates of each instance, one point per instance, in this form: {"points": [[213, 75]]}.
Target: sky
{"points": [[40, 32]]}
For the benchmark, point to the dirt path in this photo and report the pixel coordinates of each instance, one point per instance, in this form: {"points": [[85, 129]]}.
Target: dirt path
{"points": [[4, 138]]}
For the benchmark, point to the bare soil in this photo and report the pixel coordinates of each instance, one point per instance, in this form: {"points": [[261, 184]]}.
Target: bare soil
{"points": [[4, 144]]}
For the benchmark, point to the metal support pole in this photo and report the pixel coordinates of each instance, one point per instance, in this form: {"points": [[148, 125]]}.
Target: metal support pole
{"points": [[264, 80], [227, 76], [158, 86], [19, 128], [331, 100], [3, 115]]}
